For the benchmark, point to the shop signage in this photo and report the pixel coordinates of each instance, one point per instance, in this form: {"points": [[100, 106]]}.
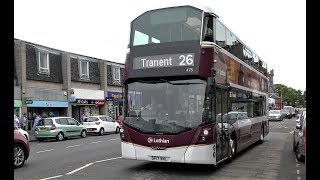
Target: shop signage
{"points": [[117, 96], [72, 99], [99, 103], [47, 104], [109, 98], [29, 101], [17, 103], [89, 101]]}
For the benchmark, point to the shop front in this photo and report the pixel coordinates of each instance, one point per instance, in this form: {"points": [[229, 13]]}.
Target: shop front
{"points": [[114, 102], [43, 108], [17, 107], [86, 102]]}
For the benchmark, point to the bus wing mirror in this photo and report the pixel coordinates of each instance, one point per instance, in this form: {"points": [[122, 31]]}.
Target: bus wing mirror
{"points": [[210, 85]]}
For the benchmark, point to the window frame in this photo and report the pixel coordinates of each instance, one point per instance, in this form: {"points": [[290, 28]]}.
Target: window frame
{"points": [[43, 70], [82, 75], [116, 71]]}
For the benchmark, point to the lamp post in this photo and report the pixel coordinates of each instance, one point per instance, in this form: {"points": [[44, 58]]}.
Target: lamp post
{"points": [[280, 97]]}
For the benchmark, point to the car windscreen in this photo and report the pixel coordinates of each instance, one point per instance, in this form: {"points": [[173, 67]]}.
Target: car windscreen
{"points": [[274, 112], [91, 119], [45, 122]]}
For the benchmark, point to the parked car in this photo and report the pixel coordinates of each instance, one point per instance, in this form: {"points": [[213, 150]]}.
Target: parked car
{"points": [[120, 119], [101, 124], [23, 132], [299, 140], [275, 115], [59, 128], [21, 149]]}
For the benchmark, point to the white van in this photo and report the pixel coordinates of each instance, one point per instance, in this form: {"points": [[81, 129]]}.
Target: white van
{"points": [[290, 112]]}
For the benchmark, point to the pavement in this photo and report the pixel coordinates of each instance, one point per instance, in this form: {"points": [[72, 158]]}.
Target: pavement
{"points": [[31, 136]]}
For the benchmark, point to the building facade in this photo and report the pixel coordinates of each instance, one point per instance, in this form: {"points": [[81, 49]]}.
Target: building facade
{"points": [[65, 84]]}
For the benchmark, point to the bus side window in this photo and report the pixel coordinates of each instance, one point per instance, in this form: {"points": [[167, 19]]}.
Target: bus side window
{"points": [[208, 30]]}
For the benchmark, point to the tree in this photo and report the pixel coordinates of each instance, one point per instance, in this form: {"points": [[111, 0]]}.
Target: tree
{"points": [[291, 96]]}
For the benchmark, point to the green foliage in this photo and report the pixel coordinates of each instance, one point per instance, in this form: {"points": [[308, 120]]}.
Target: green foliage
{"points": [[291, 96]]}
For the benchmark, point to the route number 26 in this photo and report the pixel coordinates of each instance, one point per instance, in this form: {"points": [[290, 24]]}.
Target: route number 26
{"points": [[186, 60]]}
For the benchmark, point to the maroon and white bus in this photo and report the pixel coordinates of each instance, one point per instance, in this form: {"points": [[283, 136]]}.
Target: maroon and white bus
{"points": [[194, 92]]}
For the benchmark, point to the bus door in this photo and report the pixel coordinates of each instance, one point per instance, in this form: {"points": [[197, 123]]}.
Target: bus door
{"points": [[221, 110]]}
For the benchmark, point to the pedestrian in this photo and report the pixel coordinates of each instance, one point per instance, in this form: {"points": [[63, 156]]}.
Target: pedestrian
{"points": [[23, 121], [36, 121], [15, 121], [51, 114]]}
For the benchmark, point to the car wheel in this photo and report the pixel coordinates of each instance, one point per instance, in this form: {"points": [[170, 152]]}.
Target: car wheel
{"points": [[40, 140], [117, 130], [19, 155], [261, 136], [101, 132], [60, 136], [233, 145], [83, 134], [299, 156]]}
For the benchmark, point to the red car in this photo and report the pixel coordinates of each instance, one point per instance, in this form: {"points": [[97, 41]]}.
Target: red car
{"points": [[21, 149]]}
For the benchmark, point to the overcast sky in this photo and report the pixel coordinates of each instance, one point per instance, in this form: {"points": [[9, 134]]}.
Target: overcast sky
{"points": [[273, 29]]}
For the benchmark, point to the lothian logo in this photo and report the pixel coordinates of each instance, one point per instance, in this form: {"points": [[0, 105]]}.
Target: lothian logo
{"points": [[159, 140]]}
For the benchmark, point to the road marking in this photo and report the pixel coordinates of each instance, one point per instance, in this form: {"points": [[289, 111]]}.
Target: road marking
{"points": [[113, 139], [96, 142], [79, 169], [298, 171], [297, 165], [45, 151], [291, 132], [298, 178], [74, 146], [51, 177], [108, 159]]}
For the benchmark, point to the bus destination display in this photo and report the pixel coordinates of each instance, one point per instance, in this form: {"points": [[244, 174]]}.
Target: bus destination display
{"points": [[166, 60]]}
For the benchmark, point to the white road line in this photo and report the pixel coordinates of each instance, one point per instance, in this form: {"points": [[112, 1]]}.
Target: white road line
{"points": [[298, 171], [45, 151], [113, 139], [298, 178], [96, 142], [291, 132], [51, 177], [108, 159], [297, 165], [79, 169], [74, 146]]}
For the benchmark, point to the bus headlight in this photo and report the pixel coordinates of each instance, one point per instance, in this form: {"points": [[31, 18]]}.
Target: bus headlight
{"points": [[205, 132]]}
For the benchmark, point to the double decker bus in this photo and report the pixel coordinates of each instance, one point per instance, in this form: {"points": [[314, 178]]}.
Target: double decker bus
{"points": [[194, 92]]}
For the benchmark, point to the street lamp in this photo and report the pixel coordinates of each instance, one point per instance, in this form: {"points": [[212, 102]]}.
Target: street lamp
{"points": [[280, 98]]}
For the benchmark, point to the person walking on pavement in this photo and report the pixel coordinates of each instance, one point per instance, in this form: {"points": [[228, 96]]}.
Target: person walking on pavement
{"points": [[36, 121], [15, 121], [23, 121]]}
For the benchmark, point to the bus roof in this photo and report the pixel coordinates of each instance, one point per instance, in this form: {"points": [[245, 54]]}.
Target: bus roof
{"points": [[202, 7]]}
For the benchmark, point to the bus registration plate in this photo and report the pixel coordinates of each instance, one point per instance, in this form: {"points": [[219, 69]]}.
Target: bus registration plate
{"points": [[159, 158]]}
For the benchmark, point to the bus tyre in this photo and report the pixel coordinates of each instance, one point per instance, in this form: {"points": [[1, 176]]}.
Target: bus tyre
{"points": [[261, 136]]}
